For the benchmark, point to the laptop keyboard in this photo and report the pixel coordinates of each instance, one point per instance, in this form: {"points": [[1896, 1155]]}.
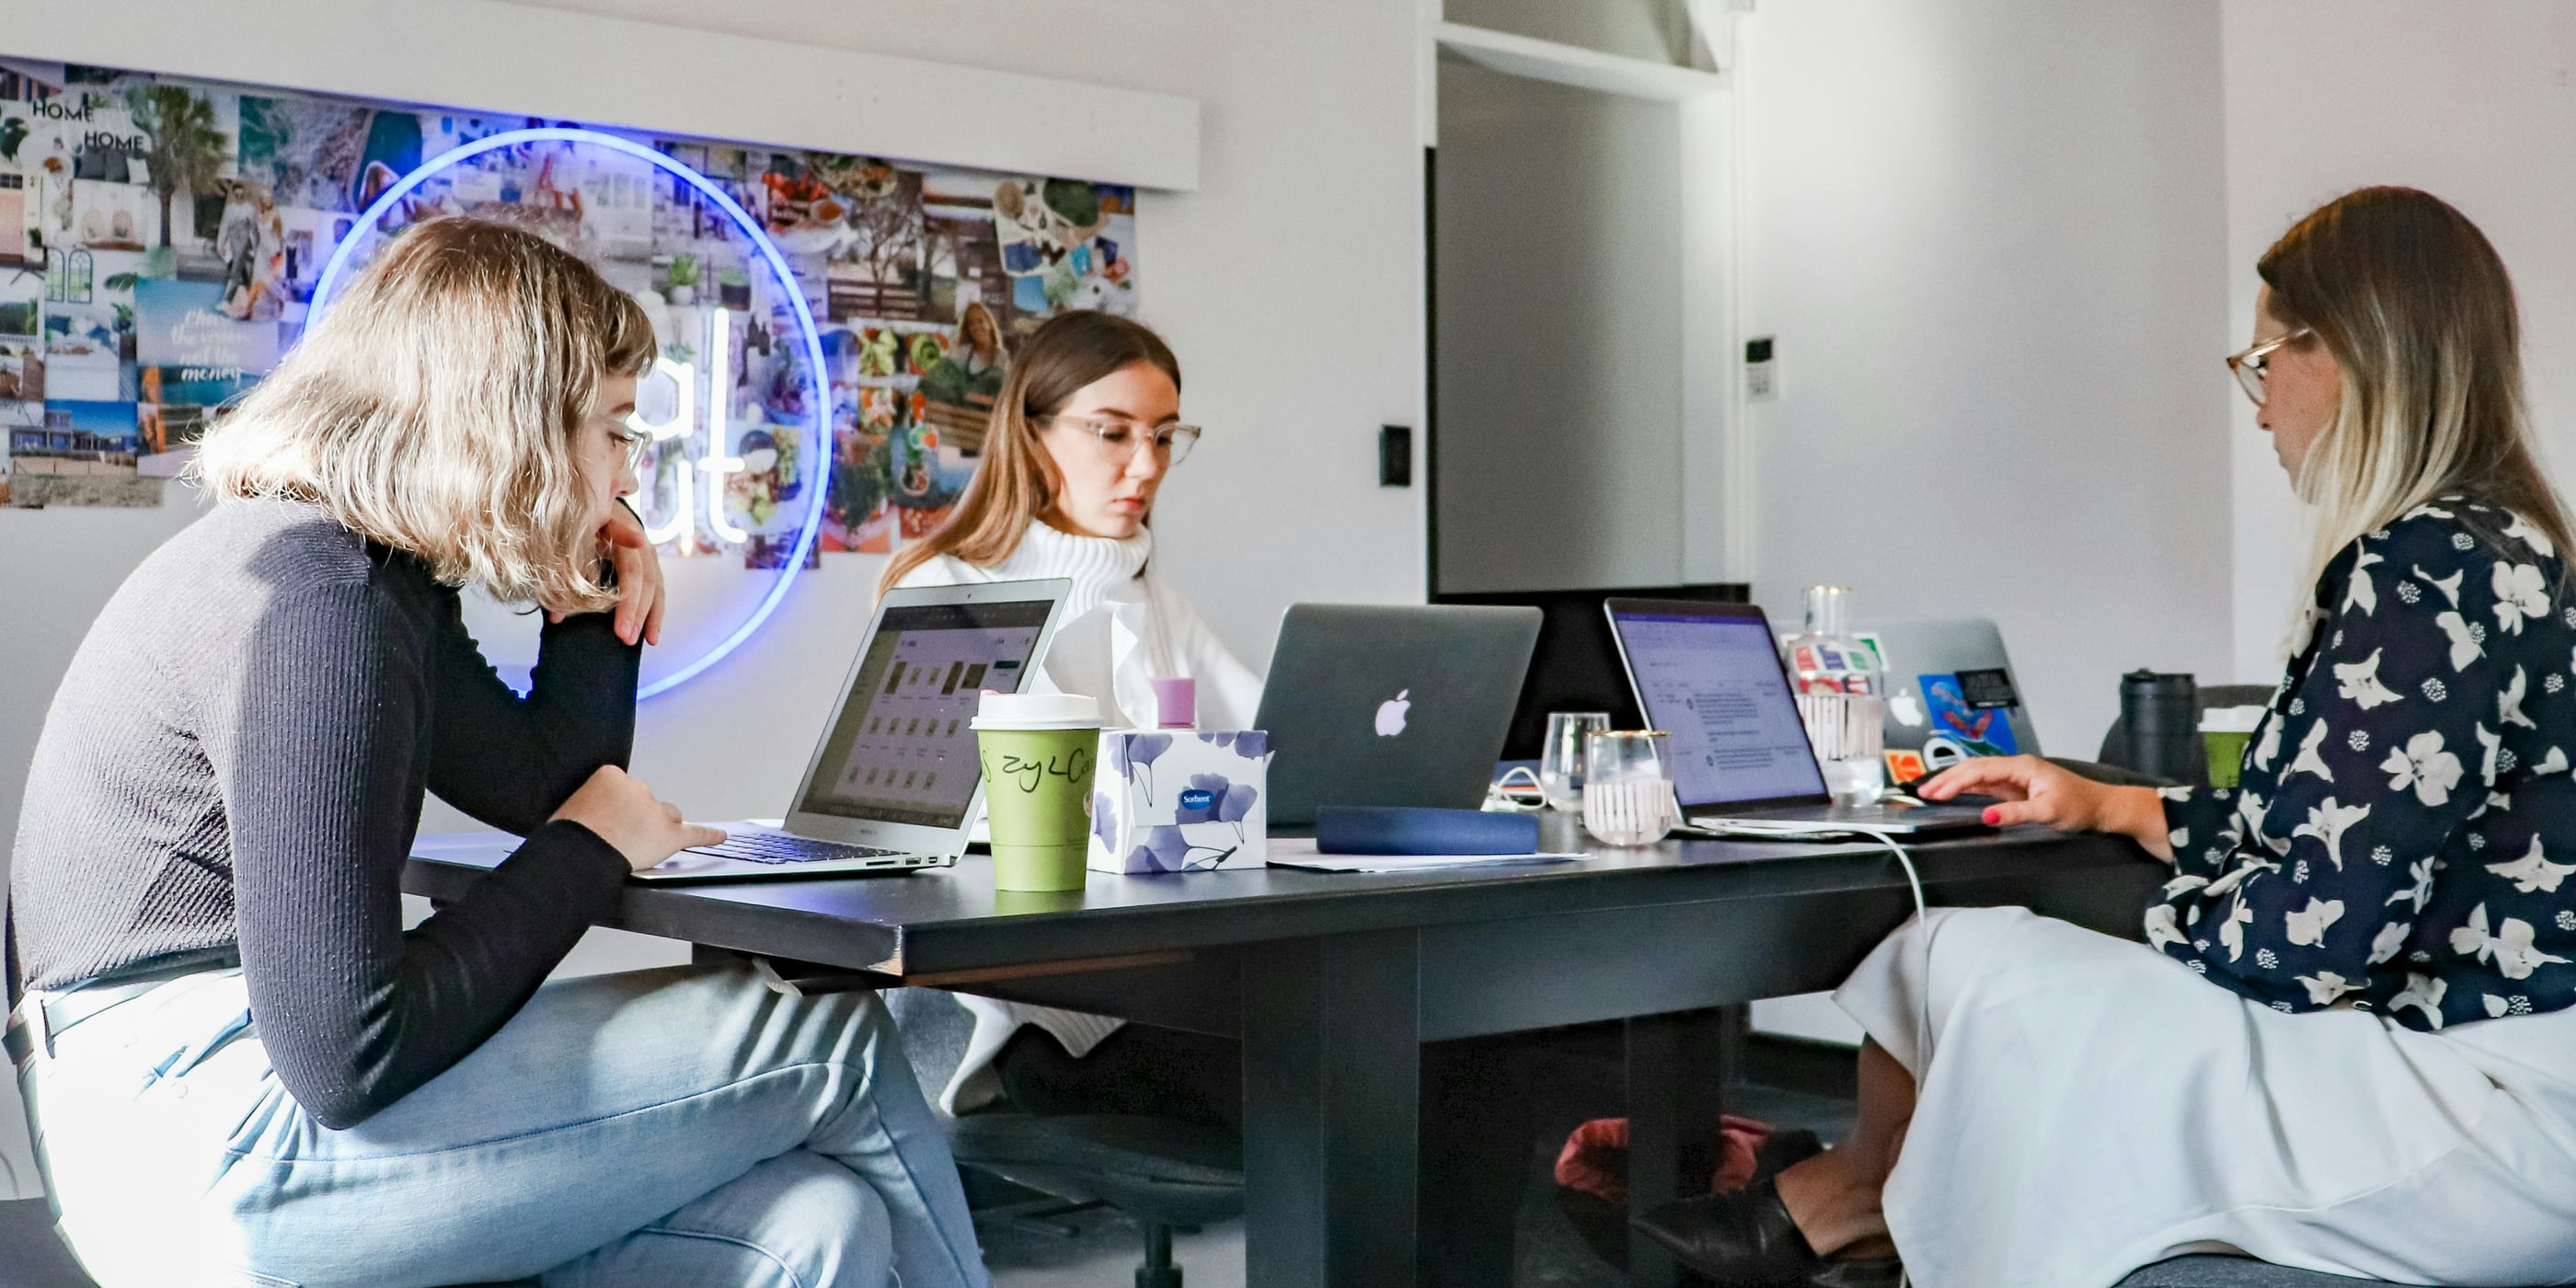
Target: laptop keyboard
{"points": [[780, 847]]}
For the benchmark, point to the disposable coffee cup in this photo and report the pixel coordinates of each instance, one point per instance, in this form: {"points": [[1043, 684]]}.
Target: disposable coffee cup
{"points": [[2225, 731], [1037, 751]]}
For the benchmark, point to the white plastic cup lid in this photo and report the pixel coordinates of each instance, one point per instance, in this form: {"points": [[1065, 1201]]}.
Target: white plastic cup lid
{"points": [[2230, 719], [1036, 711]]}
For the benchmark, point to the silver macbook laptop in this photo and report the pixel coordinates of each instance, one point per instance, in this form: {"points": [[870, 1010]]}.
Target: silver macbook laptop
{"points": [[895, 783], [1950, 691], [1710, 676], [1370, 705]]}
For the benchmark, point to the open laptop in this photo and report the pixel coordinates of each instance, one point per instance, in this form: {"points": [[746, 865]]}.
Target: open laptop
{"points": [[895, 783], [1950, 691], [1387, 705], [1710, 676]]}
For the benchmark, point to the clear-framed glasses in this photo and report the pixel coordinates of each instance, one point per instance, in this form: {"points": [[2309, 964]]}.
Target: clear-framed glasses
{"points": [[1120, 440], [2249, 366], [631, 441]]}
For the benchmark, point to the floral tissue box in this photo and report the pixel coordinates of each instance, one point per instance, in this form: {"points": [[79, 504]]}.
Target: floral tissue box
{"points": [[1180, 800]]}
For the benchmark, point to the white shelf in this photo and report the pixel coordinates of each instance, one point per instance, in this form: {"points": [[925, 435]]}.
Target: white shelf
{"points": [[1575, 65], [519, 60]]}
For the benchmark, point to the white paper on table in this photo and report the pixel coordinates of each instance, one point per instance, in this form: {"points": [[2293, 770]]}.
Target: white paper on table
{"points": [[1300, 852]]}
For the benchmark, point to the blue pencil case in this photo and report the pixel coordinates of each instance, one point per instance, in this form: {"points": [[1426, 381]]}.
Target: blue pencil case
{"points": [[1377, 829]]}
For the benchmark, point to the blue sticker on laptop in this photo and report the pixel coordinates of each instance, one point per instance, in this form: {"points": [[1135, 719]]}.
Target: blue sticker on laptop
{"points": [[1982, 731]]}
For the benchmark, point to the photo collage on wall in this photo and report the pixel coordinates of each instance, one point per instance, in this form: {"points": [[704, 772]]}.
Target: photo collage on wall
{"points": [[161, 240]]}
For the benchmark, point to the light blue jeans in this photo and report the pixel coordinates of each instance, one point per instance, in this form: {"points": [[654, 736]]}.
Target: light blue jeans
{"points": [[685, 1126]]}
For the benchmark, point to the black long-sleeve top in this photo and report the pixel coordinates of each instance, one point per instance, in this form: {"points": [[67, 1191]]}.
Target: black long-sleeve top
{"points": [[2405, 824], [237, 757]]}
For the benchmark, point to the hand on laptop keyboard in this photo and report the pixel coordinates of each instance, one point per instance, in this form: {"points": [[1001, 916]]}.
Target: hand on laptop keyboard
{"points": [[618, 808]]}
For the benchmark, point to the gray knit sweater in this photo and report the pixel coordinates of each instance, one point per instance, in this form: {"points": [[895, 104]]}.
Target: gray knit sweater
{"points": [[237, 756]]}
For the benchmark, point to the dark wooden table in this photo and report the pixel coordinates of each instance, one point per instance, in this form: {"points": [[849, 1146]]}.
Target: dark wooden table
{"points": [[1333, 982]]}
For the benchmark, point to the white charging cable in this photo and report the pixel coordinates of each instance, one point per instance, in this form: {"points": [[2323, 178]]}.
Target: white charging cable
{"points": [[1805, 830], [1498, 798], [1787, 830]]}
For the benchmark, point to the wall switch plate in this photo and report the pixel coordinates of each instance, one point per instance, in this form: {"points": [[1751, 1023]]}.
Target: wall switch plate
{"points": [[1395, 456], [1761, 370]]}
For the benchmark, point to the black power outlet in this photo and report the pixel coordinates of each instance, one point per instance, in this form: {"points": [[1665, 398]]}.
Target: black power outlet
{"points": [[1395, 456]]}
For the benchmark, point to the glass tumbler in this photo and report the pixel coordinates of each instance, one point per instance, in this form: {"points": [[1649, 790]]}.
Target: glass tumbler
{"points": [[1560, 762], [1628, 786]]}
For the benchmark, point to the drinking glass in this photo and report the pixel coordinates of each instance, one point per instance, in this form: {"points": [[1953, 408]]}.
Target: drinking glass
{"points": [[1628, 786], [1560, 762]]}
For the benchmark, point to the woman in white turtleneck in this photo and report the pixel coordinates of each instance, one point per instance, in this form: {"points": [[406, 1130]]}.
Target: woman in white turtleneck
{"points": [[1083, 433]]}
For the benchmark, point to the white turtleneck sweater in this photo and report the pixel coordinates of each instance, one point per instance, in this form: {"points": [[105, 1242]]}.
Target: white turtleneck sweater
{"points": [[1121, 626]]}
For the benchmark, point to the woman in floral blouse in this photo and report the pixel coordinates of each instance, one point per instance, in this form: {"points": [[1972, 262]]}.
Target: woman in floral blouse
{"points": [[2382, 1082]]}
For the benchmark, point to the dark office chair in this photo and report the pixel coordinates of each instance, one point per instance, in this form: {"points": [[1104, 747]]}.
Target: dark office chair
{"points": [[1163, 1173], [1166, 1174]]}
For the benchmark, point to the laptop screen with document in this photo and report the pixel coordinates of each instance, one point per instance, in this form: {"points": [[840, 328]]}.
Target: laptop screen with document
{"points": [[1709, 676]]}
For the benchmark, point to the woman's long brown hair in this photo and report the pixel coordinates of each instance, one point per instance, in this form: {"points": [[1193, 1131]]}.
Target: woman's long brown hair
{"points": [[1018, 481], [2417, 309]]}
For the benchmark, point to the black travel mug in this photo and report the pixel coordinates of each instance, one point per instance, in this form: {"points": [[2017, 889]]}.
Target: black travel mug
{"points": [[2163, 716]]}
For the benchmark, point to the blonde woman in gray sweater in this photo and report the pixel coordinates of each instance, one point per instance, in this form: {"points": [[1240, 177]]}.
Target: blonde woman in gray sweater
{"points": [[229, 1041]]}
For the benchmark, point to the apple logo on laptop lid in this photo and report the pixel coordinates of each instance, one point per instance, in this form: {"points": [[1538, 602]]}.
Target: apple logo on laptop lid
{"points": [[1390, 713]]}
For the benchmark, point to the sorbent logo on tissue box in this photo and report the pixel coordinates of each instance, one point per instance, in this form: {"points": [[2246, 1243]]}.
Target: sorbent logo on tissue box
{"points": [[1180, 800]]}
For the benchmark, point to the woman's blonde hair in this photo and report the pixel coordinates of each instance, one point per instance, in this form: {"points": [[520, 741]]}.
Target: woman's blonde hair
{"points": [[437, 408], [1018, 480], [2419, 314]]}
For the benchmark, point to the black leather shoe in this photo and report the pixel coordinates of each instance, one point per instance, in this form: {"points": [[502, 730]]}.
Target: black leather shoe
{"points": [[1741, 1239]]}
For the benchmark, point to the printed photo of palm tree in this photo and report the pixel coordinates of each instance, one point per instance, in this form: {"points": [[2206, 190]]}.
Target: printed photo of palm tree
{"points": [[186, 149]]}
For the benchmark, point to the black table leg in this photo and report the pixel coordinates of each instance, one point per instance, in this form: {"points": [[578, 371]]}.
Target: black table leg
{"points": [[1678, 1067], [1331, 1059], [1476, 1146]]}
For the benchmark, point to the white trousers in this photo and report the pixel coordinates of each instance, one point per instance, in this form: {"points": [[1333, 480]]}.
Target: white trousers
{"points": [[2087, 1106]]}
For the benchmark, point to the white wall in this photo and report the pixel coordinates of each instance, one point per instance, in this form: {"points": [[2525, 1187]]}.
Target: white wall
{"points": [[2471, 100], [1289, 282], [1989, 236]]}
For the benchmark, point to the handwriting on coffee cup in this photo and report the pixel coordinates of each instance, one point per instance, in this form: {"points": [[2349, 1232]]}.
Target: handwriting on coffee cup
{"points": [[1027, 772]]}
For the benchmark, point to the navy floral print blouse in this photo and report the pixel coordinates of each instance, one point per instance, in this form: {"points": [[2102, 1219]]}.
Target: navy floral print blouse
{"points": [[2401, 837]]}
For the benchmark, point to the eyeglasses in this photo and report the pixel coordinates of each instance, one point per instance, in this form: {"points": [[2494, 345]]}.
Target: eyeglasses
{"points": [[1119, 440], [630, 440], [2250, 365]]}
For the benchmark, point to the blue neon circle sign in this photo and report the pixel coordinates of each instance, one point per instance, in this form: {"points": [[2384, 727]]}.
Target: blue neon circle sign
{"points": [[818, 400]]}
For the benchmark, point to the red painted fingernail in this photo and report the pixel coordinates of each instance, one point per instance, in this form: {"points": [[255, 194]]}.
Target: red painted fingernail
{"points": [[1994, 816]]}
